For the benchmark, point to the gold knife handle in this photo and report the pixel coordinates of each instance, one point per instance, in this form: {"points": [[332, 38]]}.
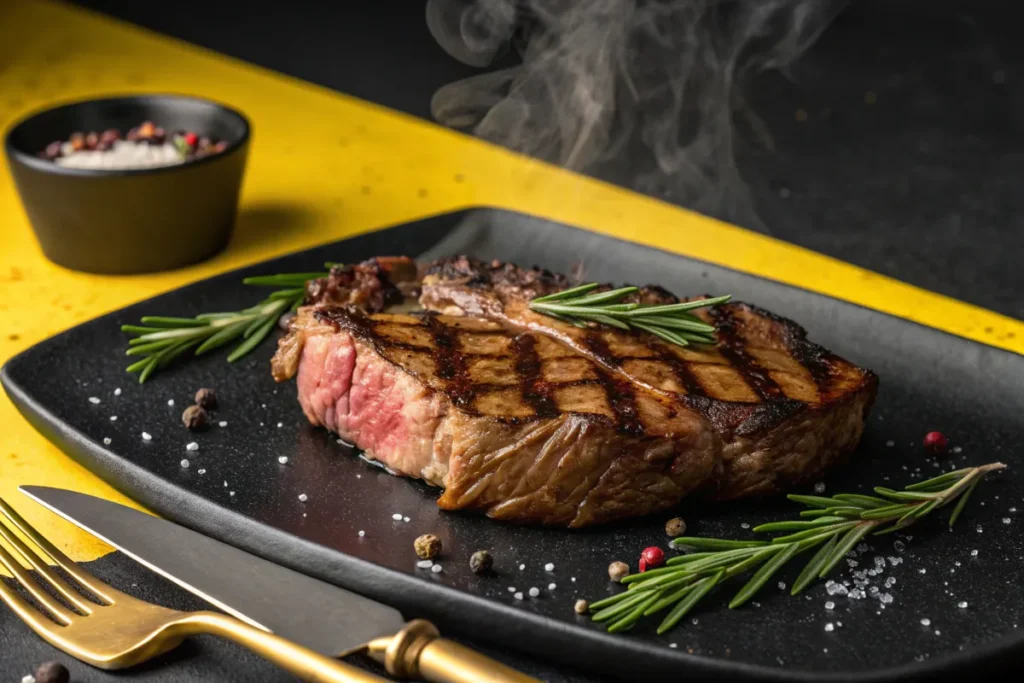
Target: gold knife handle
{"points": [[304, 663], [418, 651]]}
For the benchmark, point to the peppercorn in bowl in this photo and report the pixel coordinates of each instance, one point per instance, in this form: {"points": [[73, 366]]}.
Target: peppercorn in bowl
{"points": [[130, 184]]}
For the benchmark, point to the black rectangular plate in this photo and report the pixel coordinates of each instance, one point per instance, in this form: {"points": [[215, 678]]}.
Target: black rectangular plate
{"points": [[929, 380]]}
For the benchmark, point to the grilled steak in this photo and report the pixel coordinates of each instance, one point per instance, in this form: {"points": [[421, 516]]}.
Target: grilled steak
{"points": [[784, 408], [534, 420], [514, 424]]}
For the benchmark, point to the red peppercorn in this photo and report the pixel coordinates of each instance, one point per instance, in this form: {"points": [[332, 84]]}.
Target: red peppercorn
{"points": [[651, 557], [191, 139], [936, 442]]}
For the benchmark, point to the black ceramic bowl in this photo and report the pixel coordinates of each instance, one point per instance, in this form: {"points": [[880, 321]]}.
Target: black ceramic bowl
{"points": [[134, 220]]}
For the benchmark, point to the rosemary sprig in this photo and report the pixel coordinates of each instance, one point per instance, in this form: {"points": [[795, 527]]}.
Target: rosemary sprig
{"points": [[160, 339], [673, 323], [834, 525]]}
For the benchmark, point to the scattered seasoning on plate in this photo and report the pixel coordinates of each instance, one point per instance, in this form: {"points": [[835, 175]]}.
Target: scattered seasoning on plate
{"points": [[397, 517], [427, 546], [549, 567], [223, 423], [405, 519], [616, 570], [962, 604], [280, 424], [231, 493], [511, 589], [195, 418], [552, 586], [52, 672], [117, 392], [829, 627], [192, 446], [436, 569], [425, 564], [202, 471], [581, 607], [361, 533], [935, 442], [481, 562], [926, 622], [974, 553], [518, 595], [184, 464], [106, 440], [206, 399], [651, 557], [170, 402], [534, 592], [93, 400], [303, 497], [146, 436], [522, 567], [675, 527], [283, 459], [819, 487], [113, 418]]}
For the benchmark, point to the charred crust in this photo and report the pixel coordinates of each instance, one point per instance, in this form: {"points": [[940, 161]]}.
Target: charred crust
{"points": [[372, 285]]}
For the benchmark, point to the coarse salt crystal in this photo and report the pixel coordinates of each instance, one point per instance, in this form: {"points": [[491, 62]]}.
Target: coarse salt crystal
{"points": [[899, 546], [895, 560], [819, 487], [225, 483], [782, 585], [830, 605], [1006, 520], [890, 443], [922, 570], [511, 589], [673, 645], [106, 440], [405, 519], [974, 553], [926, 622], [283, 459], [518, 595], [193, 446], [361, 533], [170, 401], [829, 627], [962, 604], [744, 526], [885, 598], [202, 471], [552, 586], [957, 563], [549, 567], [303, 497], [184, 464], [573, 579], [223, 423], [117, 392], [146, 436], [978, 528], [93, 400], [397, 517], [113, 418], [280, 424], [534, 592], [522, 567], [436, 569], [695, 622], [231, 493]]}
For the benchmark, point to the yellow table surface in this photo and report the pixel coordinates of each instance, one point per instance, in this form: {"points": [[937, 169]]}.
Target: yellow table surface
{"points": [[325, 166]]}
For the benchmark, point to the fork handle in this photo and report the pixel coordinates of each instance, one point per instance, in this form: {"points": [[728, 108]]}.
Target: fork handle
{"points": [[301, 661]]}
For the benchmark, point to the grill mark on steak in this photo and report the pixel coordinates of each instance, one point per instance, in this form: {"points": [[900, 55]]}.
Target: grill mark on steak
{"points": [[451, 363], [732, 346], [621, 394], [535, 391]]}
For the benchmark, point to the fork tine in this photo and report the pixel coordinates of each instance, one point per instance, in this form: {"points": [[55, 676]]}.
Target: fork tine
{"points": [[42, 569], [59, 611], [36, 620], [99, 589]]}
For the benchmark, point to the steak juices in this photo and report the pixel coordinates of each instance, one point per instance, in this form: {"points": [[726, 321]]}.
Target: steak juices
{"points": [[531, 419]]}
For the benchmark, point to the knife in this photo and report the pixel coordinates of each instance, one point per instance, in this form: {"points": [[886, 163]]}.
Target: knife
{"points": [[321, 616]]}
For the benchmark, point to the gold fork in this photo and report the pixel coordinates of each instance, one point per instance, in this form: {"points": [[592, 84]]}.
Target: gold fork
{"points": [[121, 631]]}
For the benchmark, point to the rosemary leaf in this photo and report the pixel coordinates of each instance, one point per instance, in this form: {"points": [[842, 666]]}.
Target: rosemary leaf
{"points": [[811, 570], [852, 538], [714, 543], [687, 603], [797, 526], [762, 575], [963, 501]]}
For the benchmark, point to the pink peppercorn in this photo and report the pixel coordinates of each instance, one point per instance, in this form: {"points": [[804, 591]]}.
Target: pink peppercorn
{"points": [[936, 442], [651, 557]]}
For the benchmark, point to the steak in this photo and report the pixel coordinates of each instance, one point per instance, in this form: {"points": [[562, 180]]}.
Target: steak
{"points": [[534, 420], [513, 424], [785, 409]]}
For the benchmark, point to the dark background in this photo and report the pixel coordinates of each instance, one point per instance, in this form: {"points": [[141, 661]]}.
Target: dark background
{"points": [[923, 185]]}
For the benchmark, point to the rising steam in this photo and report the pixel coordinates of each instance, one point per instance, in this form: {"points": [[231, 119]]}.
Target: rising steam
{"points": [[647, 94]]}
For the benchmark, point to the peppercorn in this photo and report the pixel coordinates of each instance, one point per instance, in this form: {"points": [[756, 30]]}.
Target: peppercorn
{"points": [[428, 546], [205, 398], [481, 562], [219, 147], [195, 418], [675, 527], [146, 130], [616, 570], [581, 607], [91, 140], [191, 139], [133, 135], [651, 557], [110, 135], [52, 672], [77, 141], [53, 150], [936, 442]]}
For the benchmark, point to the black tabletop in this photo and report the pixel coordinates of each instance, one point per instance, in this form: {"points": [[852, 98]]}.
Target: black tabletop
{"points": [[895, 145]]}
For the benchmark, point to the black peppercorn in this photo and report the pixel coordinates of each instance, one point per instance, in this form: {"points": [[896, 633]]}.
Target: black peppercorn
{"points": [[195, 418], [481, 562], [52, 672], [205, 398]]}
